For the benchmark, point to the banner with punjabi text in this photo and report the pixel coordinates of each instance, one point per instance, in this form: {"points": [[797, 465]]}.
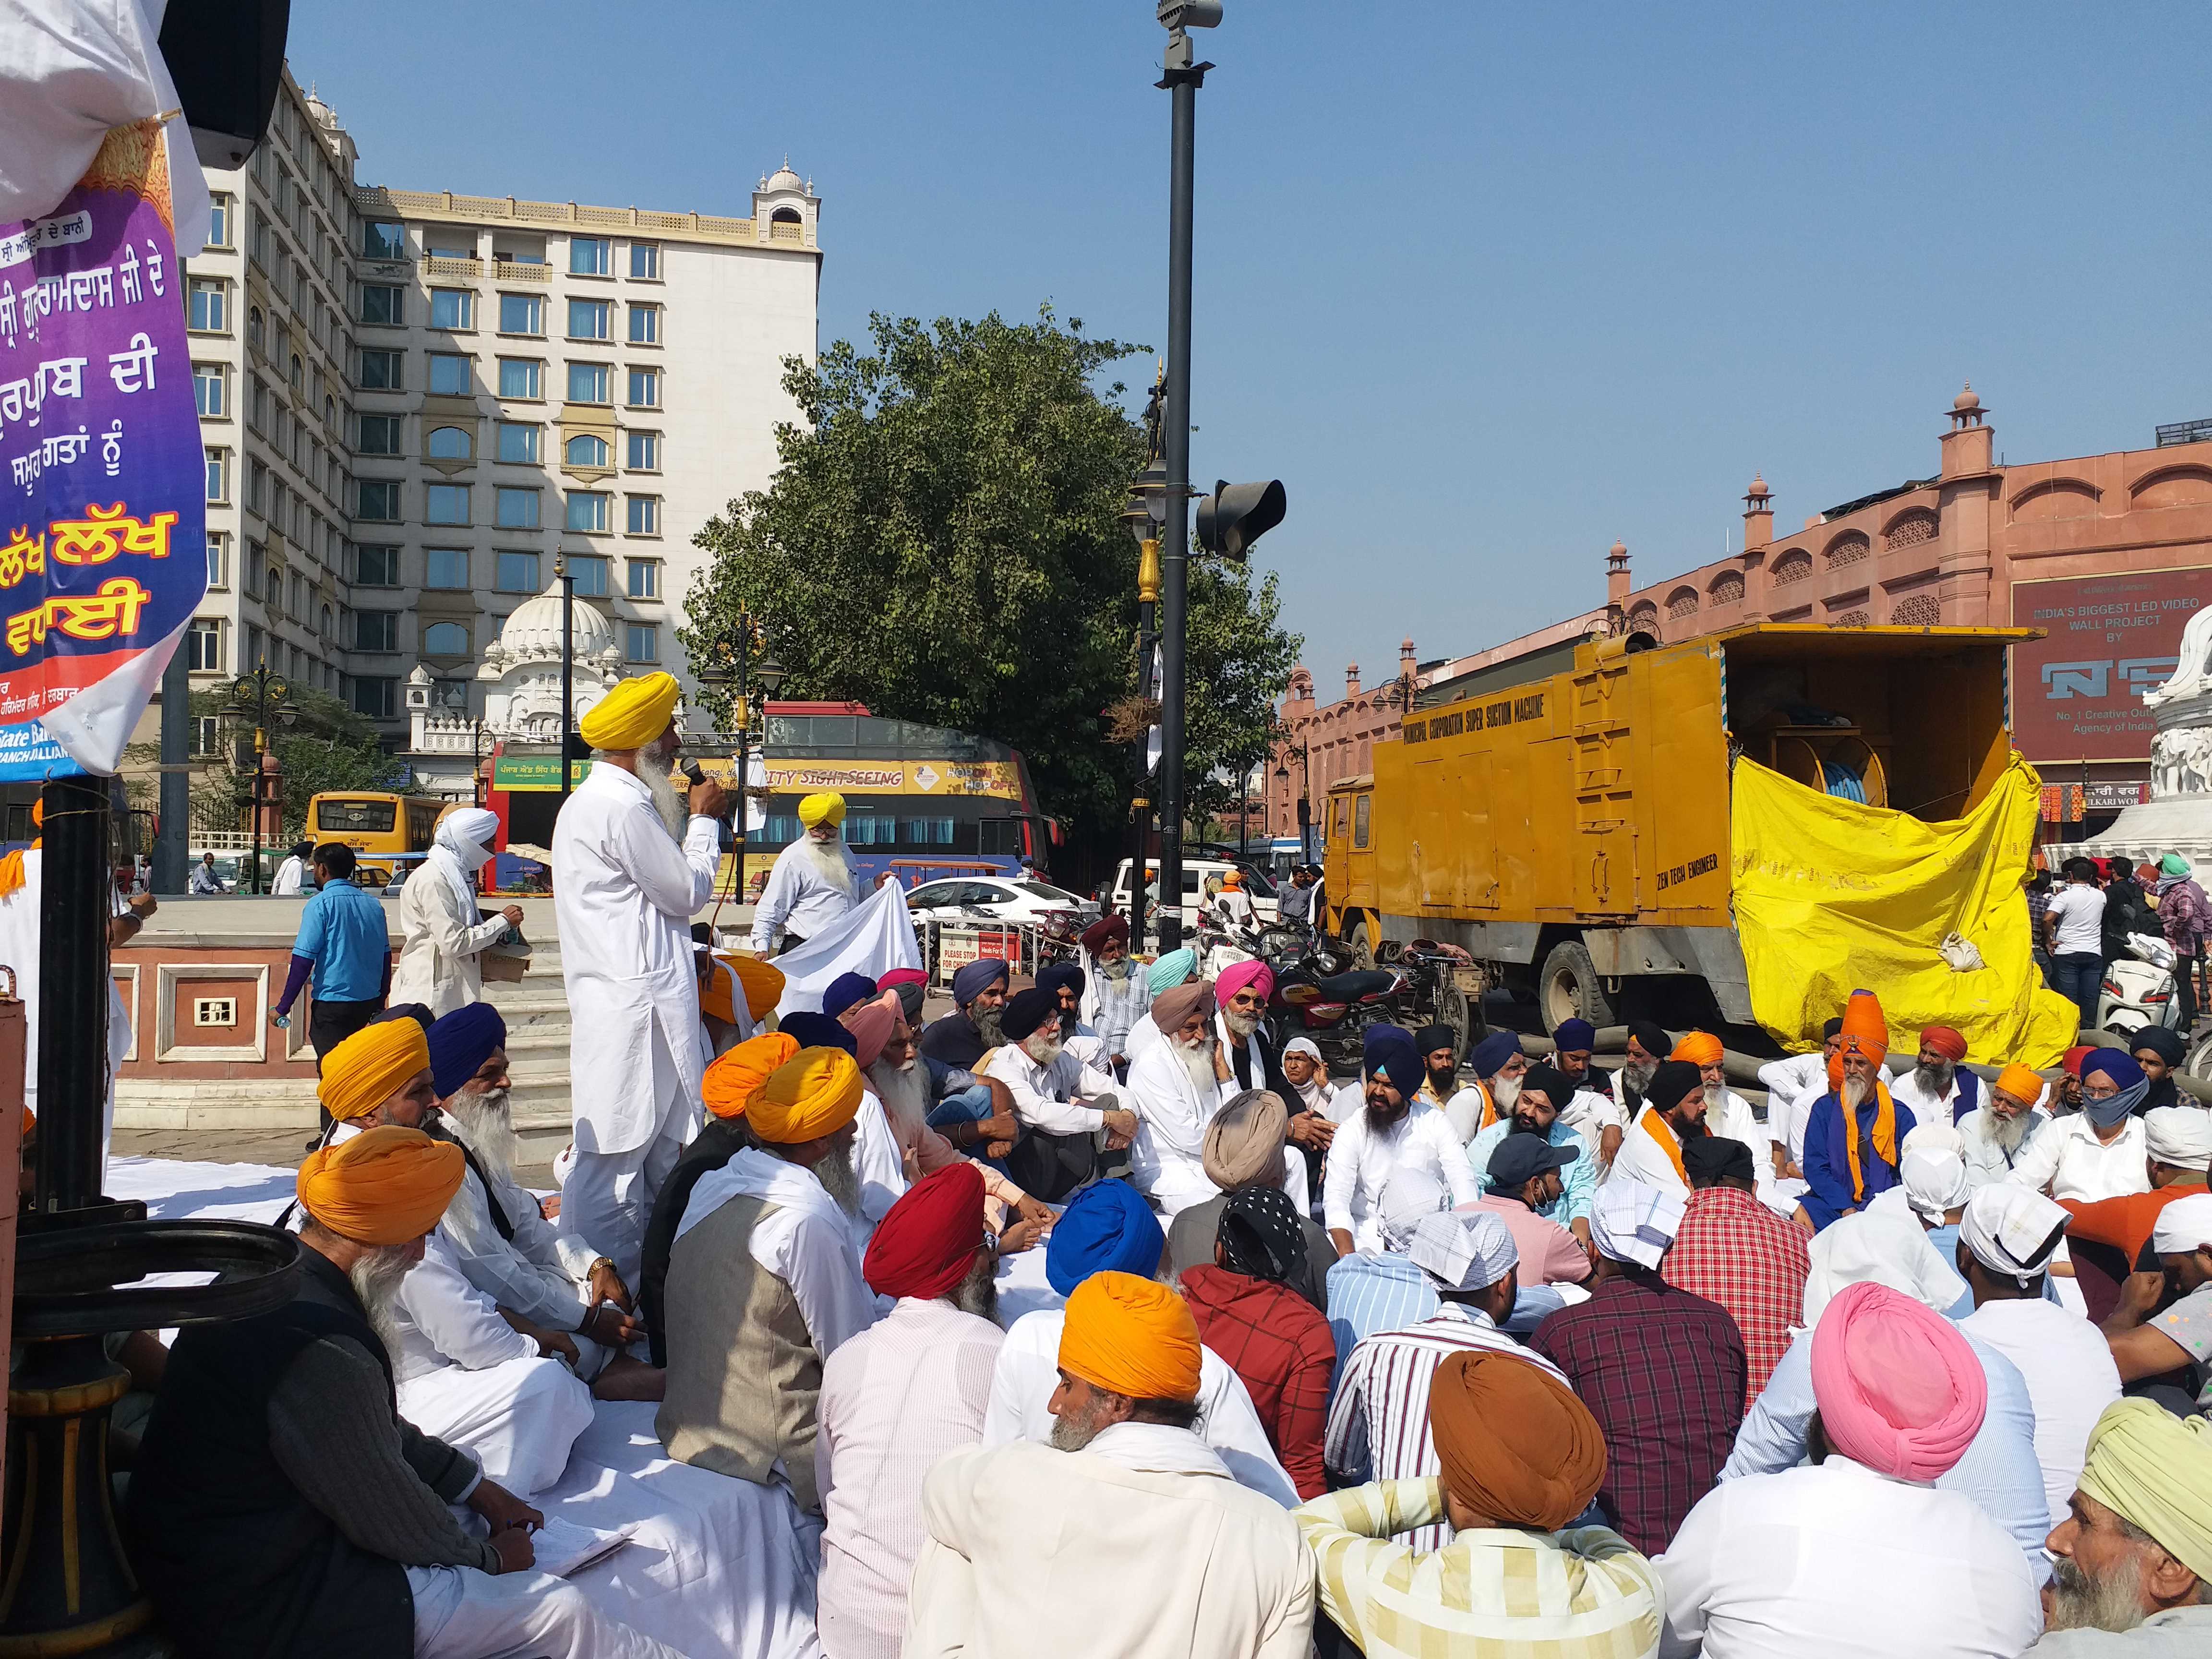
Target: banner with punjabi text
{"points": [[103, 516]]}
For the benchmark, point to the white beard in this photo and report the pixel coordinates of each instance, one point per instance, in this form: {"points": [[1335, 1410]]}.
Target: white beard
{"points": [[1934, 1079], [1199, 1063], [828, 858], [900, 1090], [375, 1276], [1858, 1091], [1118, 970], [1043, 1046], [653, 763], [1505, 1093], [839, 1179], [486, 1122], [2006, 1133], [1638, 1077], [1717, 1100], [1242, 1025]]}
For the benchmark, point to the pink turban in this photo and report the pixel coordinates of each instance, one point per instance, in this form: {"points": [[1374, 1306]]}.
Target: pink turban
{"points": [[1899, 1388], [1255, 974], [872, 1023]]}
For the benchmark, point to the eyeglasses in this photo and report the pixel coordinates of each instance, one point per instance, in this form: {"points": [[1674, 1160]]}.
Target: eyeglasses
{"points": [[2093, 1091]]}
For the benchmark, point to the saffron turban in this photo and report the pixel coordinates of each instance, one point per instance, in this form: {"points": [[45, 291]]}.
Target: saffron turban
{"points": [[385, 1186], [1094, 938], [1132, 1336], [1027, 1009], [927, 1241], [2156, 1469], [1235, 977], [1106, 1228], [825, 806], [1943, 1040], [460, 1043], [1699, 1048], [1898, 1388], [1673, 1082], [872, 1023], [372, 1065], [2022, 1084], [1056, 974], [1172, 970], [1175, 1008], [972, 978], [631, 716], [816, 1030], [761, 984], [816, 1092], [845, 991], [1864, 1031], [2179, 1135], [1243, 1142], [1574, 1036], [1514, 1440], [733, 1078]]}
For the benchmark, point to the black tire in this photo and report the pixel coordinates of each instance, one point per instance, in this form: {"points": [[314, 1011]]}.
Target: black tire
{"points": [[1462, 1013], [1362, 948], [1568, 988]]}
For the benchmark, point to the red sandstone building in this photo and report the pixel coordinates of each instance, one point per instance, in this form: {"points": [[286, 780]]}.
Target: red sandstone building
{"points": [[2109, 554]]}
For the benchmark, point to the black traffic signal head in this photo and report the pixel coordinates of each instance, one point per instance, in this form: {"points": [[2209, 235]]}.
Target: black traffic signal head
{"points": [[1236, 515]]}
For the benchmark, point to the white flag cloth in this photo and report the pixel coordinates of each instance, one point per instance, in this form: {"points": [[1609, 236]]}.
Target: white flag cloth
{"points": [[875, 936]]}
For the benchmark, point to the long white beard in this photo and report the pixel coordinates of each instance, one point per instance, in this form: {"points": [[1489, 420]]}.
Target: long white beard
{"points": [[653, 763], [1858, 1091], [901, 1089], [828, 858], [2007, 1134], [375, 1276], [1505, 1092], [1043, 1046], [486, 1122], [839, 1180], [1717, 1100], [1199, 1063]]}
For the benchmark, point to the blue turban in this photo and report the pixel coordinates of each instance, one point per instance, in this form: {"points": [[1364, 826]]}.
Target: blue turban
{"points": [[1378, 1037], [1492, 1052], [1575, 1036], [1059, 974], [1105, 1228], [1395, 1059], [2127, 1077], [976, 977], [1171, 970], [418, 1012], [811, 1031], [461, 1043], [844, 991]]}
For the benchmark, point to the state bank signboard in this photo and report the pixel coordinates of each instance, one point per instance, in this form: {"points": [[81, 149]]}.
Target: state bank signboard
{"points": [[2077, 693]]}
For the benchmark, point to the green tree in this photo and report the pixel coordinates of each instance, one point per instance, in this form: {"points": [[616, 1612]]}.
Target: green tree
{"points": [[1237, 660], [330, 747]]}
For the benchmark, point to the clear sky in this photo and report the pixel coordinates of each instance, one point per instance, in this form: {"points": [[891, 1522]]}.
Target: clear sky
{"points": [[1485, 285]]}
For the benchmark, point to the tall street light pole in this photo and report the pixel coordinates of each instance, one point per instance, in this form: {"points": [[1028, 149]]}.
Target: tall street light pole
{"points": [[252, 695], [1147, 508], [567, 582]]}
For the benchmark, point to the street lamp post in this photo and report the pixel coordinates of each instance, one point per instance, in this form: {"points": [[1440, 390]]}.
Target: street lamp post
{"points": [[1147, 508], [476, 760], [251, 695], [732, 668], [567, 582], [1305, 800]]}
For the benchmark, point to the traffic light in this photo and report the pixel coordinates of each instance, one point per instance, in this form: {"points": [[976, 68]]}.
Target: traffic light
{"points": [[1236, 515]]}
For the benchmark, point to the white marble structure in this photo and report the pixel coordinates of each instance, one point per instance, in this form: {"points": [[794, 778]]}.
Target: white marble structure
{"points": [[2177, 816]]}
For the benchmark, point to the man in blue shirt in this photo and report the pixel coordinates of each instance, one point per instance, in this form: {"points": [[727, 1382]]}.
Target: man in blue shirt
{"points": [[1545, 1092], [345, 947]]}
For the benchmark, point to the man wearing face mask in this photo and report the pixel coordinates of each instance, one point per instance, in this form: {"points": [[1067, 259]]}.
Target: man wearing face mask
{"points": [[443, 932], [629, 868], [2098, 1152], [814, 884]]}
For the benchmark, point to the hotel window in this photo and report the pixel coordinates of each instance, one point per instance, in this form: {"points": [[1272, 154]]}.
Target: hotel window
{"points": [[384, 305], [587, 383], [522, 313], [517, 442], [644, 261], [379, 502], [644, 642], [519, 377], [645, 388], [379, 434], [203, 647], [208, 309], [645, 579], [516, 509], [447, 504], [380, 370], [643, 515], [445, 639], [376, 630], [453, 307], [375, 697], [588, 319], [381, 240], [451, 374], [218, 552], [590, 571], [218, 475], [585, 449], [590, 256], [517, 572], [210, 389], [450, 443], [587, 510], [219, 212], [445, 568], [645, 324], [644, 451]]}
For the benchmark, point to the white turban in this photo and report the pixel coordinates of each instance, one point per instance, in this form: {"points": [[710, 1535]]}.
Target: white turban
{"points": [[2185, 1226], [2012, 1230], [2179, 1135], [1406, 1196], [1935, 1180], [1635, 1223], [458, 849]]}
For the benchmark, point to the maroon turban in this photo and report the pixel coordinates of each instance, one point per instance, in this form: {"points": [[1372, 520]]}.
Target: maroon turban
{"points": [[926, 1244], [1095, 936]]}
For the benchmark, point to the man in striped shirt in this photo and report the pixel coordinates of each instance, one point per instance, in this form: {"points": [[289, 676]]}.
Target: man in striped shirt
{"points": [[1371, 1290], [1378, 1427]]}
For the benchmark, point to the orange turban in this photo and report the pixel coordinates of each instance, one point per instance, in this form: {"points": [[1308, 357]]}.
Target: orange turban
{"points": [[1130, 1335], [386, 1186], [1944, 1041], [1699, 1048], [1865, 1032], [372, 1065], [1515, 1442], [761, 984], [735, 1077], [2021, 1084], [815, 1093]]}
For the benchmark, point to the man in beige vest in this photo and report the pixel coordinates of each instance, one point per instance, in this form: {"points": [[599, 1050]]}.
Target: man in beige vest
{"points": [[765, 1283]]}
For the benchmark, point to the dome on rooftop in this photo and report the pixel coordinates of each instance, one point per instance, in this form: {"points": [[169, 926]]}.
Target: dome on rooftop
{"points": [[533, 630], [1966, 399], [784, 178]]}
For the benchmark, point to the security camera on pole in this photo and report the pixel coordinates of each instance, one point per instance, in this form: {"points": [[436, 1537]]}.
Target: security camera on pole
{"points": [[1236, 515]]}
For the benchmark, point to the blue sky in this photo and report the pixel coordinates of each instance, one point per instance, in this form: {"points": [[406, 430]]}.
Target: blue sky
{"points": [[1486, 286]]}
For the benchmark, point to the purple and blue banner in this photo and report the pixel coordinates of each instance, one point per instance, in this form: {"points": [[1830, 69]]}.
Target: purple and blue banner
{"points": [[103, 516]]}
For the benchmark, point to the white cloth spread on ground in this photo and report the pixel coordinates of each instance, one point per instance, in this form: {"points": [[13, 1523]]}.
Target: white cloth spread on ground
{"points": [[872, 937]]}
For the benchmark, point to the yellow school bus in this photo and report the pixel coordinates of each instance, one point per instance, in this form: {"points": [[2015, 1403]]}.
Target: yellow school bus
{"points": [[373, 823]]}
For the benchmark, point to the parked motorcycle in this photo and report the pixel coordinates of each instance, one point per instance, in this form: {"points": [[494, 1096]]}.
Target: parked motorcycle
{"points": [[2137, 993], [1334, 1009]]}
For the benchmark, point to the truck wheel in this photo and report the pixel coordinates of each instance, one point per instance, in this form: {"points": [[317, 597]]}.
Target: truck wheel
{"points": [[1362, 948], [1568, 988]]}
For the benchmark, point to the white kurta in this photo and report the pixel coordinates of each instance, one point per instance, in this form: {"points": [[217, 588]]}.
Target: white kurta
{"points": [[438, 960], [1167, 1159], [291, 878], [623, 892], [1045, 1096], [1986, 1160], [1792, 1086], [804, 1240], [2068, 1161], [19, 948], [540, 1274], [1361, 1163], [2071, 1376], [799, 899], [1643, 1158]]}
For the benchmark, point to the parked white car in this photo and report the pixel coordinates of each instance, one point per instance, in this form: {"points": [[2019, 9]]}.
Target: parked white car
{"points": [[1000, 898], [1265, 905]]}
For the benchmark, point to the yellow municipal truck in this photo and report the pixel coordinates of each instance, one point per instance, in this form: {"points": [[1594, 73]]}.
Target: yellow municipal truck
{"points": [[1747, 825]]}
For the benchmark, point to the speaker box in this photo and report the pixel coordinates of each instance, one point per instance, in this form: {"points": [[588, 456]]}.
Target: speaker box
{"points": [[225, 56]]}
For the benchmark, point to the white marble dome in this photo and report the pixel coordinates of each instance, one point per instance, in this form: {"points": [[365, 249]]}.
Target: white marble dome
{"points": [[533, 632], [784, 178]]}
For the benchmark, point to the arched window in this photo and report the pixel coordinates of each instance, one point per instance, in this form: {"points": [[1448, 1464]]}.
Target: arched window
{"points": [[446, 640], [784, 215], [586, 450], [326, 623], [299, 371], [449, 443]]}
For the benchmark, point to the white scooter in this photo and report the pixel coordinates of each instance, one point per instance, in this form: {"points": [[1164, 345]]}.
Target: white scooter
{"points": [[2139, 993]]}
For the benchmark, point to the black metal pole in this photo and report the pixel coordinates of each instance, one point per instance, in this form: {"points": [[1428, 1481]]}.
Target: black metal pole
{"points": [[1140, 805], [1182, 79], [744, 738], [567, 675], [72, 970], [1305, 817], [172, 847]]}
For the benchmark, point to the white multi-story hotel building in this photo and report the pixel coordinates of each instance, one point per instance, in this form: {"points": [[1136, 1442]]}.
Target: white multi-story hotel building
{"points": [[412, 401]]}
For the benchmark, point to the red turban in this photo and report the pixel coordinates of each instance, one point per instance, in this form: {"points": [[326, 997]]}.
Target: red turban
{"points": [[2073, 1058], [1943, 1040], [1095, 936], [927, 1243]]}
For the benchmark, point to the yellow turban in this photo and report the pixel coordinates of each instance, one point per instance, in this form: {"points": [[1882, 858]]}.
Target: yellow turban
{"points": [[2156, 1469], [828, 805], [817, 1092], [386, 1186], [1699, 1048], [1130, 1335], [759, 983], [2022, 1084], [736, 1079], [631, 716], [372, 1065]]}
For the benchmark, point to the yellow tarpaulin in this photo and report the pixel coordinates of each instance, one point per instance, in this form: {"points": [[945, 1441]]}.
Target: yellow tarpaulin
{"points": [[1832, 896]]}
